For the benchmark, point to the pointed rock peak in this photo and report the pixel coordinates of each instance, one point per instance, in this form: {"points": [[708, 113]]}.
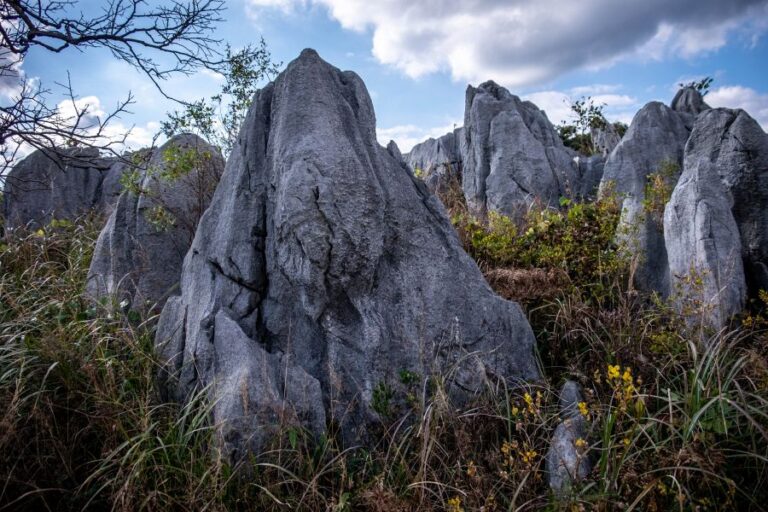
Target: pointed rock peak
{"points": [[309, 53], [690, 101], [320, 257], [494, 90]]}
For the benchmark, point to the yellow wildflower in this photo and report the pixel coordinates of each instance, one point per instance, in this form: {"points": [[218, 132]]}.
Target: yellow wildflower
{"points": [[583, 409], [528, 456], [613, 371], [506, 448], [627, 376], [580, 444], [454, 505]]}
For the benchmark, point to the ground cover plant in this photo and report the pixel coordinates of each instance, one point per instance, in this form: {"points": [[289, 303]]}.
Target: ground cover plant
{"points": [[678, 415]]}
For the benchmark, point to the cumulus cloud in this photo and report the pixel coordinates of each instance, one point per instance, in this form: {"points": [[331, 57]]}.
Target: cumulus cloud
{"points": [[92, 113], [407, 136], [11, 74], [556, 104], [531, 41], [736, 96]]}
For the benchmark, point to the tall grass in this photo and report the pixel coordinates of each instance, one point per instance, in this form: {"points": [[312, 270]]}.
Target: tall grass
{"points": [[675, 423]]}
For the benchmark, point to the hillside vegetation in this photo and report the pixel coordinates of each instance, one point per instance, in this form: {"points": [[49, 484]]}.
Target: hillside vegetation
{"points": [[678, 414]]}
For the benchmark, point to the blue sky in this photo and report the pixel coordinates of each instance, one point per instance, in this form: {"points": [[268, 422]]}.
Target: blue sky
{"points": [[417, 56]]}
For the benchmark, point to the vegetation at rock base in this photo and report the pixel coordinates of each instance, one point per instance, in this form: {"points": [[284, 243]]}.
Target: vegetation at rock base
{"points": [[677, 422], [587, 116]]}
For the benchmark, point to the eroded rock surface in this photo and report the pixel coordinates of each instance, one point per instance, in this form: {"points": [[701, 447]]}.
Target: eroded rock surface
{"points": [[716, 224], [702, 239], [140, 250], [514, 156], [689, 103], [567, 458], [605, 139], [61, 184], [330, 266], [653, 144]]}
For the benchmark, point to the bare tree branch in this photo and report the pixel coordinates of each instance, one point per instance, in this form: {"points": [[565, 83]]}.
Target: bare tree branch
{"points": [[160, 39]]}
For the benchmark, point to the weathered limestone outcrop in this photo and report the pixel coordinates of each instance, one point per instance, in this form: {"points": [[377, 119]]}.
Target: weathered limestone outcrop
{"points": [[702, 240], [590, 173], [140, 250], [432, 153], [60, 184], [689, 103], [737, 147], [654, 143], [323, 268], [439, 161], [605, 139], [716, 224], [514, 156], [567, 460]]}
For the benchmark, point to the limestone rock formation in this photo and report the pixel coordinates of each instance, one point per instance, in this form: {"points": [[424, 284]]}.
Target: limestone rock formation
{"points": [[50, 185], [737, 147], [435, 152], [323, 268], [566, 461], [689, 102], [439, 161], [654, 144], [605, 138], [140, 250], [394, 151], [702, 239], [590, 173], [514, 156]]}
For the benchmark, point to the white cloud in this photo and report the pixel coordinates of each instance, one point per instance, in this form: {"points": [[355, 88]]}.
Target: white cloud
{"points": [[114, 131], [617, 107], [528, 42], [736, 96], [407, 136], [11, 74]]}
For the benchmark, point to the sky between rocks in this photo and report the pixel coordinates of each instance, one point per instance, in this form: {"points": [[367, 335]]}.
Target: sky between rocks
{"points": [[417, 56]]}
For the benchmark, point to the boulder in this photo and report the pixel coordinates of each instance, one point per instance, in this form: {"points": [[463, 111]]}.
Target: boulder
{"points": [[56, 184], [140, 250], [702, 239], [321, 271], [566, 461], [514, 156], [653, 144]]}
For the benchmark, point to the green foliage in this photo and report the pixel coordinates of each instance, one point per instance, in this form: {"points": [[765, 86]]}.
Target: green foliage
{"points": [[382, 399], [160, 218], [588, 116], [577, 240], [700, 85], [675, 424], [658, 190], [218, 118], [621, 128]]}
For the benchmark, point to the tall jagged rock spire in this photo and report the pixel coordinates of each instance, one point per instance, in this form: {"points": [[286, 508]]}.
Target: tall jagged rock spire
{"points": [[323, 269]]}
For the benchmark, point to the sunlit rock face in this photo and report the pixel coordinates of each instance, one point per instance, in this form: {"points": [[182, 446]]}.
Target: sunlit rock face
{"points": [[321, 270]]}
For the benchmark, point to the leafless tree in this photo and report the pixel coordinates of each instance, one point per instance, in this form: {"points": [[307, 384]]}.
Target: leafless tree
{"points": [[159, 38]]}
